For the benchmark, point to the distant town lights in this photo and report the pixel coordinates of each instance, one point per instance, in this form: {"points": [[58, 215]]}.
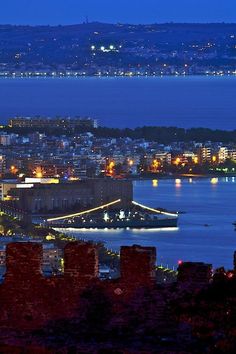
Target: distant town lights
{"points": [[108, 49]]}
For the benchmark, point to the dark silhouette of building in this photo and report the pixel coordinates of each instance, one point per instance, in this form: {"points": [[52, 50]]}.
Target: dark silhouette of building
{"points": [[53, 123], [72, 195]]}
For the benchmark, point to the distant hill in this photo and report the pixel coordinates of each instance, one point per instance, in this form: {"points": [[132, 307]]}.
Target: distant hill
{"points": [[95, 47]]}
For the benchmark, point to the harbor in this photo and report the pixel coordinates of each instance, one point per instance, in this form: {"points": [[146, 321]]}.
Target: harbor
{"points": [[191, 240], [138, 216]]}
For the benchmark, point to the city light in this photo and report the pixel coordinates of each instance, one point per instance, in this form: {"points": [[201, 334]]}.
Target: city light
{"points": [[155, 165], [177, 161], [214, 158]]}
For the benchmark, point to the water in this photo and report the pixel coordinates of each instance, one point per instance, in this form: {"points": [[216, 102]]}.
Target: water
{"points": [[120, 102], [204, 203]]}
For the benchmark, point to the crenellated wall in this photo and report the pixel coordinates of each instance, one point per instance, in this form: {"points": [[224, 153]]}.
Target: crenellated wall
{"points": [[194, 274], [29, 300]]}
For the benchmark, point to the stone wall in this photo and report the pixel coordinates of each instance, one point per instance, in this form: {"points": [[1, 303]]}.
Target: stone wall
{"points": [[29, 300]]}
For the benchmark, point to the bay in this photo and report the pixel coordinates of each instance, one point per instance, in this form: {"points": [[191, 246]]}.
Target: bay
{"points": [[191, 101], [205, 231]]}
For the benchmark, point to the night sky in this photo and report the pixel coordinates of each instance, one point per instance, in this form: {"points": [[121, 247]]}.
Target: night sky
{"points": [[126, 11]]}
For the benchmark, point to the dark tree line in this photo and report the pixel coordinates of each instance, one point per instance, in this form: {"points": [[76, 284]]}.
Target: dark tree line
{"points": [[163, 135]]}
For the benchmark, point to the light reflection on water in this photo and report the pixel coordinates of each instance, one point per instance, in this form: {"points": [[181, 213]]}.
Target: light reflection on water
{"points": [[205, 230]]}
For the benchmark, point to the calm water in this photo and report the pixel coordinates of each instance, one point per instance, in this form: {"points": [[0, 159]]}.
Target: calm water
{"points": [[204, 203], [176, 101]]}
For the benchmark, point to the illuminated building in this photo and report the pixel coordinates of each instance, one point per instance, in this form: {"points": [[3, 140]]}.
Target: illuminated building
{"points": [[110, 168], [163, 157], [205, 155], [46, 169], [222, 154], [232, 154], [155, 165]]}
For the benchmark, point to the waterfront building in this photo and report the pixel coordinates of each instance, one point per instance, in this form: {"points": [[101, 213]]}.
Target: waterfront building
{"points": [[163, 157], [205, 154], [71, 196], [223, 154], [232, 154], [53, 123]]}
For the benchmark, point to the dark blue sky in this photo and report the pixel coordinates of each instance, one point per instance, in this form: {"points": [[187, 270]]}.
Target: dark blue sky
{"points": [[132, 11]]}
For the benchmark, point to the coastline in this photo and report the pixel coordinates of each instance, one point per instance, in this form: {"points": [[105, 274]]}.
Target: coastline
{"points": [[151, 177], [26, 75]]}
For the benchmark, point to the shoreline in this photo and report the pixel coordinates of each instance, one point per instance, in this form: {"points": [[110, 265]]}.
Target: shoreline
{"points": [[184, 176], [25, 75]]}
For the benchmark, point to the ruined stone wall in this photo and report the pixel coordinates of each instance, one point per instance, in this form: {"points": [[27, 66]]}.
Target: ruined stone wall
{"points": [[29, 300]]}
